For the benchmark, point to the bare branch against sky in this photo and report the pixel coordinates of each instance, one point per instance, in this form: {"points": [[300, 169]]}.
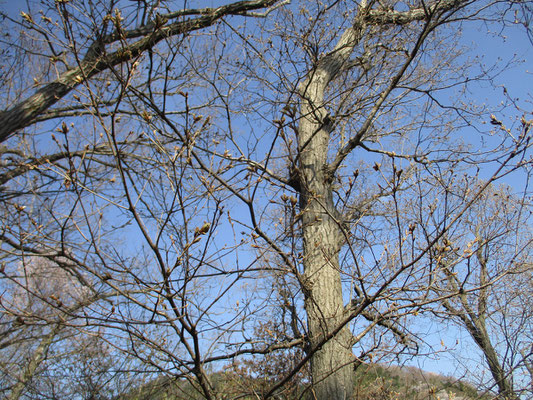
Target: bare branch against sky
{"points": [[256, 199]]}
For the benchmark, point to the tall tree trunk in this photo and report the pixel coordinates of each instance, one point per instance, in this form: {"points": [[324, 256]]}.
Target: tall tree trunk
{"points": [[332, 364]]}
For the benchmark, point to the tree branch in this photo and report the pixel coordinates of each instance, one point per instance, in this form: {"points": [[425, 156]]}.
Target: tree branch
{"points": [[27, 111]]}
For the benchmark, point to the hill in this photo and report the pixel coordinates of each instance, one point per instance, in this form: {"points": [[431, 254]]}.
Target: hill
{"points": [[374, 382]]}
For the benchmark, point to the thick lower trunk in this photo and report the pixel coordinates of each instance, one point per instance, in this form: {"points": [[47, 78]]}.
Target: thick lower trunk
{"points": [[332, 364], [333, 374]]}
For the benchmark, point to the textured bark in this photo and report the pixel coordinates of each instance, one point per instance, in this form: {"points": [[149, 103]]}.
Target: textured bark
{"points": [[27, 111], [332, 364]]}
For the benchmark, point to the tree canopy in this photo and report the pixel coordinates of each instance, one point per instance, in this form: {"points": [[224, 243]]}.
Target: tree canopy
{"points": [[298, 187]]}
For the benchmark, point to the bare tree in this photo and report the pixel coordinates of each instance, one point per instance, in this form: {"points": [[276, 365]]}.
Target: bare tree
{"points": [[198, 171], [486, 259], [38, 302]]}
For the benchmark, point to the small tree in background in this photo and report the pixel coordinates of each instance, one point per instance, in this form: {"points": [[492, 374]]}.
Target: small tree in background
{"points": [[487, 260]]}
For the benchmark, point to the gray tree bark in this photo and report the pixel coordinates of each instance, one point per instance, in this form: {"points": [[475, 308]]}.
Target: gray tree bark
{"points": [[331, 365]]}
